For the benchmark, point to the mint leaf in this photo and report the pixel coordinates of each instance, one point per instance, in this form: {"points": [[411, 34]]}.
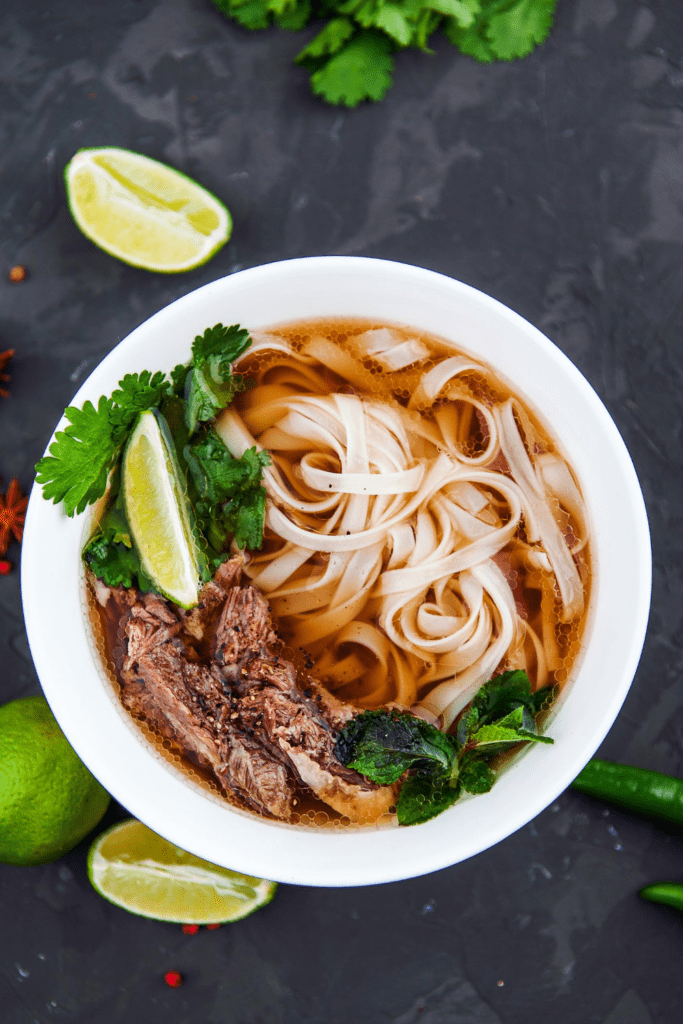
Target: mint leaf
{"points": [[383, 744], [492, 739], [361, 70], [499, 697], [423, 797], [516, 32], [475, 775]]}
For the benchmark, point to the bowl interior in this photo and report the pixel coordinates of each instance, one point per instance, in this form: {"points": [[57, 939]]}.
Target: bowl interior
{"points": [[84, 701]]}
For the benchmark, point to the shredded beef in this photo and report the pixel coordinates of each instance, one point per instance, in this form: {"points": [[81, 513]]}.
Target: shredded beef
{"points": [[214, 681]]}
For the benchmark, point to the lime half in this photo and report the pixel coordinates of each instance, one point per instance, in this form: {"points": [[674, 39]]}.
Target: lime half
{"points": [[158, 514], [139, 871], [48, 799], [143, 212]]}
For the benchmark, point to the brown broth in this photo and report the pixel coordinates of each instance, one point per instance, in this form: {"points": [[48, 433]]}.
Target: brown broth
{"points": [[532, 590]]}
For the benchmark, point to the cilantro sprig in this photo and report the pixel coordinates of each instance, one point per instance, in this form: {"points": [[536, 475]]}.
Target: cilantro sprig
{"points": [[83, 454], [226, 493], [386, 745], [351, 57]]}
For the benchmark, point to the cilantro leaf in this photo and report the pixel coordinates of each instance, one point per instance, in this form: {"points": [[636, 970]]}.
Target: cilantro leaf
{"points": [[244, 517], [220, 346], [111, 556], [469, 41], [115, 563], [204, 397], [81, 456], [517, 31], [361, 70], [360, 36], [392, 18], [211, 385], [255, 14], [422, 797], [136, 393], [252, 14], [178, 378], [462, 11], [217, 474], [383, 744], [296, 16], [231, 498], [330, 39]]}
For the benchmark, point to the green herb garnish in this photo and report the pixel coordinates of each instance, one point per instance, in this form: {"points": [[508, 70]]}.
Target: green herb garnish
{"points": [[226, 493], [351, 57], [383, 745]]}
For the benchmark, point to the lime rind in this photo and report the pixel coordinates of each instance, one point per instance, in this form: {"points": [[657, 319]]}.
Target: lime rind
{"points": [[145, 878], [90, 160], [157, 503]]}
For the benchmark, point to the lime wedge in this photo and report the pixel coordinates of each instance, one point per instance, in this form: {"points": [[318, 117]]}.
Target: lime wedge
{"points": [[157, 512], [139, 871], [143, 212]]}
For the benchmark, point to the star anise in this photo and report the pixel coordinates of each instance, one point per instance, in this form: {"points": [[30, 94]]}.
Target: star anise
{"points": [[12, 514], [4, 360]]}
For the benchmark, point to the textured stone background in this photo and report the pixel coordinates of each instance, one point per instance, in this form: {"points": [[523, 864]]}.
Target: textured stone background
{"points": [[553, 183]]}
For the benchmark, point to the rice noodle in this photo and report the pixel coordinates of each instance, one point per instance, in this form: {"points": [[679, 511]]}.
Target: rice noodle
{"points": [[398, 529]]}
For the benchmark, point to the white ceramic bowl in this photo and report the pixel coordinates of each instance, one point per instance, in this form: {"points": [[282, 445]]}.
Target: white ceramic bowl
{"points": [[112, 746]]}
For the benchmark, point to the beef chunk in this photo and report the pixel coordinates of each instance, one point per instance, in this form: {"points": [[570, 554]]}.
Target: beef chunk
{"points": [[262, 781], [214, 681], [199, 620], [271, 701]]}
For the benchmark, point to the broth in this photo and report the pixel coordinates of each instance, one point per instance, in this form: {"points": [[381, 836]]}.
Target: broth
{"points": [[473, 422]]}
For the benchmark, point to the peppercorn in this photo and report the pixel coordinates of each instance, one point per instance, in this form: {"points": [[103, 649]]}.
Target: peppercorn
{"points": [[190, 929], [173, 979], [5, 566], [17, 274], [213, 927]]}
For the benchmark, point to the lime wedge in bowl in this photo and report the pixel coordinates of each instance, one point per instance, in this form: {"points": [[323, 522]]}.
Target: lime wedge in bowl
{"points": [[158, 513], [139, 871], [143, 212]]}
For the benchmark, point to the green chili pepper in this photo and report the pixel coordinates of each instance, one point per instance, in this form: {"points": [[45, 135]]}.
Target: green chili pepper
{"points": [[634, 789], [670, 893]]}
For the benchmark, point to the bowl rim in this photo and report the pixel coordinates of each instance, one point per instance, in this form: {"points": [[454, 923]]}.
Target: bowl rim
{"points": [[158, 795]]}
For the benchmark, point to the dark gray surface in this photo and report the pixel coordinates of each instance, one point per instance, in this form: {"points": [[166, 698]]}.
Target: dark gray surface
{"points": [[556, 185]]}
